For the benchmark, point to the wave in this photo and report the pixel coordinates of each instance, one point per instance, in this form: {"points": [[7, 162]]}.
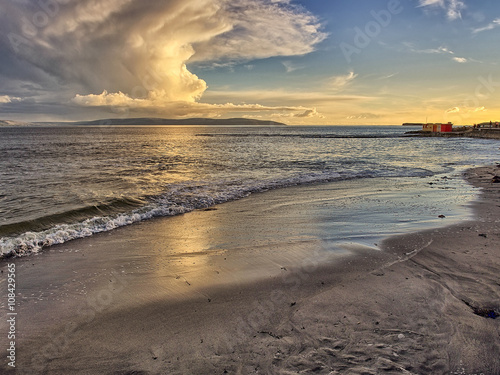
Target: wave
{"points": [[179, 199], [106, 208]]}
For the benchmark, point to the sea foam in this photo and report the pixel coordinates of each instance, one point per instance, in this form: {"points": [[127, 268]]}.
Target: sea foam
{"points": [[179, 199]]}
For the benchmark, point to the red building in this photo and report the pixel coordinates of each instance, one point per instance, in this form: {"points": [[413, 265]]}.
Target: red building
{"points": [[438, 128]]}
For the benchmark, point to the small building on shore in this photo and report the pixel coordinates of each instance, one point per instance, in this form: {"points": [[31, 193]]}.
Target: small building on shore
{"points": [[488, 125], [438, 128]]}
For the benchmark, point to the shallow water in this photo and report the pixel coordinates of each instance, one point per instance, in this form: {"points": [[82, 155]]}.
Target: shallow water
{"points": [[61, 183]]}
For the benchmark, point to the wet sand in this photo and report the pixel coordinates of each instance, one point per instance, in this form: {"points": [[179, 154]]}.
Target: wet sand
{"points": [[423, 304]]}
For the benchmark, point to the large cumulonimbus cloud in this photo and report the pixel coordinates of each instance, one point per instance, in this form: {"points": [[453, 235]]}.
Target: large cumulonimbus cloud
{"points": [[134, 52]]}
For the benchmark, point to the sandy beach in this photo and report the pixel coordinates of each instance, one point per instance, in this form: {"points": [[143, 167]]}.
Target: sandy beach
{"points": [[249, 187], [420, 303]]}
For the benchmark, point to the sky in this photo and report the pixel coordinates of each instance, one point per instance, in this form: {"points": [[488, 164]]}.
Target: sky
{"points": [[301, 62]]}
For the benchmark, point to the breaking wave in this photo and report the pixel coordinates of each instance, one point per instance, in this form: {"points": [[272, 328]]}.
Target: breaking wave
{"points": [[178, 199]]}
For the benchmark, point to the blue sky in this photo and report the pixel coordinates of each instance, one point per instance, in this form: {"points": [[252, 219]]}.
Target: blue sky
{"points": [[299, 62]]}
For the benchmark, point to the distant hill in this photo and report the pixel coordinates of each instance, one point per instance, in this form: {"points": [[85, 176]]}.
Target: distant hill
{"points": [[152, 121], [13, 123], [164, 121]]}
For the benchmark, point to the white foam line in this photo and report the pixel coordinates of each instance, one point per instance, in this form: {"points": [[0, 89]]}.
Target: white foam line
{"points": [[178, 200]]}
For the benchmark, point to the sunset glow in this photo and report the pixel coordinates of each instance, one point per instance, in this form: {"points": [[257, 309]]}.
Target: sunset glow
{"points": [[298, 62]]}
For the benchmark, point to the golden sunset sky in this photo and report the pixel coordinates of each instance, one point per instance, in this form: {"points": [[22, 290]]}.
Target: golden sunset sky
{"points": [[312, 62]]}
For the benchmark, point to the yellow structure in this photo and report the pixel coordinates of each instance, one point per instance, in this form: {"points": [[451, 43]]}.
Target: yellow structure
{"points": [[438, 128]]}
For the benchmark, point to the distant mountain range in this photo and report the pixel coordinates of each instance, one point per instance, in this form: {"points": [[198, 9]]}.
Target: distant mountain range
{"points": [[154, 121]]}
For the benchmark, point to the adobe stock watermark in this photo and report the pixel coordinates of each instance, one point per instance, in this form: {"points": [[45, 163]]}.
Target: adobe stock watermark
{"points": [[364, 36], [47, 10], [11, 314], [484, 90]]}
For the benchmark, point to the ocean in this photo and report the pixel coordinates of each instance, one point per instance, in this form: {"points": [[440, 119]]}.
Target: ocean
{"points": [[62, 183]]}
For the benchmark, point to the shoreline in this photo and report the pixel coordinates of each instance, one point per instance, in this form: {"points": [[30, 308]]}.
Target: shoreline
{"points": [[473, 133], [33, 242], [410, 308]]}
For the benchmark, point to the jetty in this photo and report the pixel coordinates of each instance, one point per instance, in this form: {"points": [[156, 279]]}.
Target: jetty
{"points": [[487, 130]]}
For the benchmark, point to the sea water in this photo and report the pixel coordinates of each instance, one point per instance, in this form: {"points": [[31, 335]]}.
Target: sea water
{"points": [[63, 183]]}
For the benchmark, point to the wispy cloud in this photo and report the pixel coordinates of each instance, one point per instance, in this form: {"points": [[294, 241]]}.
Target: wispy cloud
{"points": [[490, 26], [440, 50], [388, 76], [291, 67], [453, 8], [466, 110], [276, 96], [309, 113], [4, 99], [339, 83], [363, 116]]}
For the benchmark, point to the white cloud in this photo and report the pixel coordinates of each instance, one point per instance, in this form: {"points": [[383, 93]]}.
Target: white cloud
{"points": [[259, 29], [4, 99], [466, 110], [453, 8], [309, 113], [490, 26], [445, 50], [158, 104], [424, 3], [363, 116], [388, 76], [342, 81], [134, 53], [440, 50], [291, 67]]}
